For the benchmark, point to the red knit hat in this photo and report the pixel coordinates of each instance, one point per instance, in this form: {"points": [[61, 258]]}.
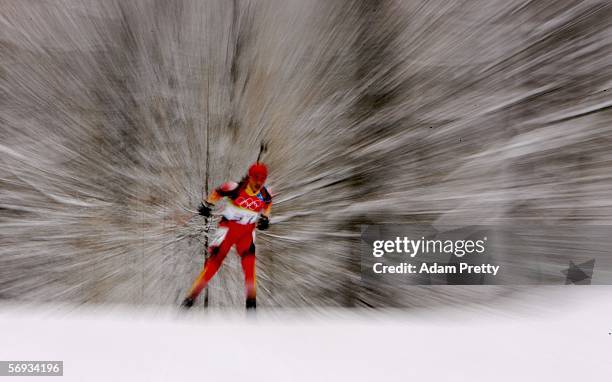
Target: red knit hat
{"points": [[258, 171]]}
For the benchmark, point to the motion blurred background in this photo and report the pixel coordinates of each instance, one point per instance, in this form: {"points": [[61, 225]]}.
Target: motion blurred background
{"points": [[117, 115]]}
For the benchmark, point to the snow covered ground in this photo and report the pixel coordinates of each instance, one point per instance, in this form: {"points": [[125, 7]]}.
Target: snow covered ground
{"points": [[553, 334]]}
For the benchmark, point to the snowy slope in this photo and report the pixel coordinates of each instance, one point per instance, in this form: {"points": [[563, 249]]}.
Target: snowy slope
{"points": [[559, 334]]}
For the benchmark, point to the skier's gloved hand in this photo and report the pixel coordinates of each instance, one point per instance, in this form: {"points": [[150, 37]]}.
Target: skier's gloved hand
{"points": [[263, 223], [205, 209]]}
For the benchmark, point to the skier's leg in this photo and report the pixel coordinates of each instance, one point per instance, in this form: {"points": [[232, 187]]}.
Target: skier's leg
{"points": [[213, 263], [248, 266], [246, 250]]}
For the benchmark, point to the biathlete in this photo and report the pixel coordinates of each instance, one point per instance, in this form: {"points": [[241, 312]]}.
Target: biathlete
{"points": [[248, 206]]}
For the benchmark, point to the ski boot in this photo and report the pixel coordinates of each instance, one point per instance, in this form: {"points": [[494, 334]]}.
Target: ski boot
{"points": [[251, 303], [187, 303]]}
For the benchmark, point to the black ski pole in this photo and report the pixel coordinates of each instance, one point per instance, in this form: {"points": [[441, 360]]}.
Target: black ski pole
{"points": [[263, 148]]}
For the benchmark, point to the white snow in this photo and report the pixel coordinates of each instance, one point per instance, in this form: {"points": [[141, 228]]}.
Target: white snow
{"points": [[566, 338]]}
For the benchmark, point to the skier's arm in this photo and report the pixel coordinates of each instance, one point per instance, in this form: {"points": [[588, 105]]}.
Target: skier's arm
{"points": [[267, 198], [267, 211], [264, 219], [224, 190], [213, 198]]}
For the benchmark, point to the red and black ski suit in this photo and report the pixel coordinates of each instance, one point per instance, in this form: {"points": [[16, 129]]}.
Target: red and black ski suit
{"points": [[237, 227]]}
